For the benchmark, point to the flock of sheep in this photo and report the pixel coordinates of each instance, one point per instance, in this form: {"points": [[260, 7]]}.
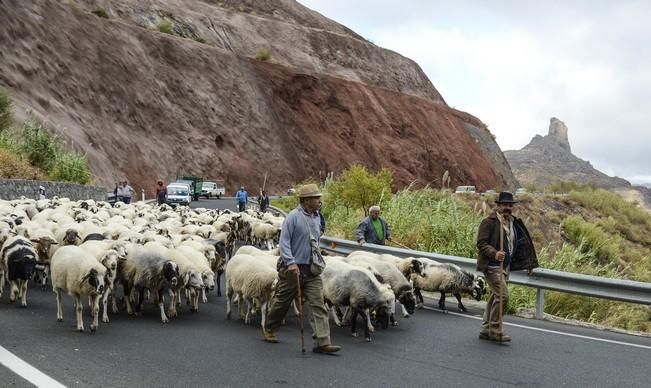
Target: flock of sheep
{"points": [[162, 255]]}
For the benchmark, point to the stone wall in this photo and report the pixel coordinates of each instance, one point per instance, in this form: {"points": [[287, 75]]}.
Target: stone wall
{"points": [[15, 188]]}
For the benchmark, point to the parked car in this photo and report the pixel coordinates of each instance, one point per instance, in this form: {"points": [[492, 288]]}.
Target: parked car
{"points": [[178, 194], [195, 184], [465, 190], [209, 189]]}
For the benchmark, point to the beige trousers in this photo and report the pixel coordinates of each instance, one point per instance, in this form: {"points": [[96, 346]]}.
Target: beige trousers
{"points": [[491, 324], [312, 290]]}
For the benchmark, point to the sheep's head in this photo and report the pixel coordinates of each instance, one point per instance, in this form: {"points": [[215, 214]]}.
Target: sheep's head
{"points": [[110, 260], [407, 299], [71, 237], [171, 273], [208, 279], [94, 280], [478, 287], [43, 245], [416, 266]]}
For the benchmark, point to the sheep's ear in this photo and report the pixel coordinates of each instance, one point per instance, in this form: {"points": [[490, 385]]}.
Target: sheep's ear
{"points": [[33, 240]]}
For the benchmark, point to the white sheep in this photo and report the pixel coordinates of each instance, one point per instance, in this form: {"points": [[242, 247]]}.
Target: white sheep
{"points": [[348, 285], [391, 275], [108, 257], [446, 277], [75, 270], [254, 281]]}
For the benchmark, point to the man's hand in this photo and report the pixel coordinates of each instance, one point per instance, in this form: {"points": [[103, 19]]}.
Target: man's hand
{"points": [[292, 268], [529, 271], [361, 242], [499, 256]]}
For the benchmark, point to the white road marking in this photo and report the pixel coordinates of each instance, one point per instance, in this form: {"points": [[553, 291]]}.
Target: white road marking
{"points": [[26, 371], [546, 330]]}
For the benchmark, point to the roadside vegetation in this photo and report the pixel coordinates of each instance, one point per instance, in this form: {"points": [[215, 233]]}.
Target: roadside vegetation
{"points": [[583, 230], [33, 152]]}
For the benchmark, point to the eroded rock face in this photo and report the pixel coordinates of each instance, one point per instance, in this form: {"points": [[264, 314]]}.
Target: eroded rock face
{"points": [[146, 105], [558, 131]]}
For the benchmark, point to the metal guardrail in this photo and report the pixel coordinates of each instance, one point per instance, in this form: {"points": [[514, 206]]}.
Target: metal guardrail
{"points": [[541, 279], [253, 204]]}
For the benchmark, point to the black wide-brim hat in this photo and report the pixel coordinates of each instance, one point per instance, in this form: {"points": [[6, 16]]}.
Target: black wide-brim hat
{"points": [[505, 197]]}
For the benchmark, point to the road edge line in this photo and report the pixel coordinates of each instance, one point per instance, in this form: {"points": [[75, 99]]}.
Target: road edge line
{"points": [[27, 371]]}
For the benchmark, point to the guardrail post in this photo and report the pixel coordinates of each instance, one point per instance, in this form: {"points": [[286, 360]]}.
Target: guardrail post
{"points": [[143, 195], [540, 303]]}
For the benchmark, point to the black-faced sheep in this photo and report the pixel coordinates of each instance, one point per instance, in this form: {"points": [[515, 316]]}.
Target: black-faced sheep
{"points": [[17, 261], [77, 271], [444, 278]]}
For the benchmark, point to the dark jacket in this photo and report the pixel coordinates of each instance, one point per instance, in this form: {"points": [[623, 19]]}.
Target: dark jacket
{"points": [[263, 201], [488, 243], [365, 231]]}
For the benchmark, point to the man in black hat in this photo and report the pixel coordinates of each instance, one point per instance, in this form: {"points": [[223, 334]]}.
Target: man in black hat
{"points": [[504, 245]]}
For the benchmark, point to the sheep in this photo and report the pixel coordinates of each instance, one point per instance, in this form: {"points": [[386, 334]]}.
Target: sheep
{"points": [[78, 272], [390, 275], [44, 243], [253, 280], [347, 285], [189, 275], [145, 269], [200, 262], [108, 257], [445, 277], [17, 259], [266, 233]]}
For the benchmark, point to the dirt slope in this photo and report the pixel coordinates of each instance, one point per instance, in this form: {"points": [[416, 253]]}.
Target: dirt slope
{"points": [[148, 105]]}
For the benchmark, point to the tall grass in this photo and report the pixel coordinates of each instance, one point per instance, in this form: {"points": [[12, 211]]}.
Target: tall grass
{"points": [[6, 116]]}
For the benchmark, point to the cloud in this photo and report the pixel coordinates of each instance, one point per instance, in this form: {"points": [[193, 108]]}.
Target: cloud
{"points": [[516, 64]]}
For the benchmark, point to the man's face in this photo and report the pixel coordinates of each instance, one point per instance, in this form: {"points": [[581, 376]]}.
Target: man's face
{"points": [[312, 203], [375, 214], [505, 208]]}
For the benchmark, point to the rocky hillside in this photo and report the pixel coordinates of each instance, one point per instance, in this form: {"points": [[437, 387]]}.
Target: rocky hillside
{"points": [[549, 159], [146, 105]]}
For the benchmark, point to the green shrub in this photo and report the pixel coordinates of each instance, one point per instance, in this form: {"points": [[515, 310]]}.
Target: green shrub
{"points": [[100, 12], [263, 54], [6, 117], [71, 167], [39, 147], [287, 203], [165, 26], [199, 39]]}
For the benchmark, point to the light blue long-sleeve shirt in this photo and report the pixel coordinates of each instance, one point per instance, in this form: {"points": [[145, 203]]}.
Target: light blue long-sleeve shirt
{"points": [[242, 196], [295, 245]]}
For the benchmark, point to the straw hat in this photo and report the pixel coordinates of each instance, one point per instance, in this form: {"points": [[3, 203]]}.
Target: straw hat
{"points": [[307, 191]]}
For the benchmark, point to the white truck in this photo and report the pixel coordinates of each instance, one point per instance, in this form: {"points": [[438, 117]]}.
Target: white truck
{"points": [[213, 189], [179, 194]]}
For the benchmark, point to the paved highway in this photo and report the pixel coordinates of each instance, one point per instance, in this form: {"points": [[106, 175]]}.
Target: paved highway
{"points": [[204, 349]]}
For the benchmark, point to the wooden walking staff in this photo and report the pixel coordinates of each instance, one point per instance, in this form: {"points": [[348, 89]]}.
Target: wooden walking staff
{"points": [[501, 314], [300, 309]]}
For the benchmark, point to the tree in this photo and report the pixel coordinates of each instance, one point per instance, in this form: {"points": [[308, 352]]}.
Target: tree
{"points": [[357, 188]]}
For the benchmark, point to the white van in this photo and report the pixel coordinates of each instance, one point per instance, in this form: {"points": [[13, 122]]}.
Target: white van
{"points": [[178, 194], [465, 190]]}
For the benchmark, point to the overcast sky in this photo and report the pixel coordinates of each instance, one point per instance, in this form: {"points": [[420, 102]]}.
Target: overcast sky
{"points": [[516, 64]]}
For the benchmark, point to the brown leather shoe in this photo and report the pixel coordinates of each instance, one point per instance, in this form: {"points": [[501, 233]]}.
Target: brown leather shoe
{"points": [[484, 336], [327, 349], [269, 336], [500, 338]]}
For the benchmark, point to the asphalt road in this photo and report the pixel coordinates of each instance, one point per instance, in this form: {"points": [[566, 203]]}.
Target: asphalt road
{"points": [[204, 349]]}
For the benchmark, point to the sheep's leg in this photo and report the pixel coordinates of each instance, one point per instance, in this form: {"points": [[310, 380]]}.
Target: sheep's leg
{"points": [[392, 320], [46, 275], [369, 325], [263, 311], [461, 307], [335, 317], [141, 298], [229, 294], [405, 313], [161, 306], [247, 317], [94, 307], [114, 304], [195, 301], [365, 317], [419, 297], [204, 298], [2, 280], [353, 321], [13, 291], [127, 299], [171, 308], [59, 306], [442, 301], [188, 297], [105, 297], [80, 312], [23, 293]]}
